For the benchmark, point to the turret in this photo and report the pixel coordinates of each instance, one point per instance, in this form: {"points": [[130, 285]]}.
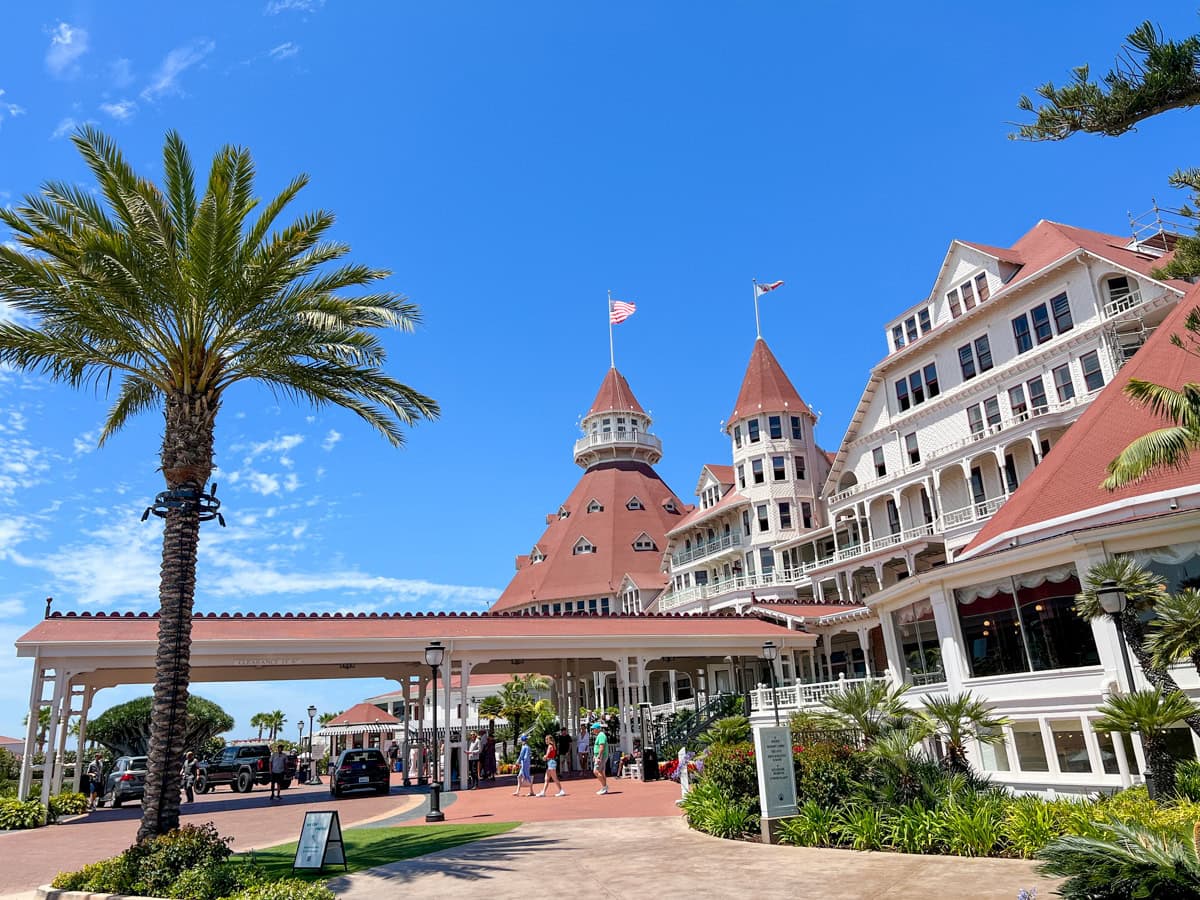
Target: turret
{"points": [[616, 427]]}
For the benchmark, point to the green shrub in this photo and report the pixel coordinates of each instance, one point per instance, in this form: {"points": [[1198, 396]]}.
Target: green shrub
{"points": [[214, 880], [709, 809], [813, 826], [914, 829], [826, 773], [162, 859], [729, 730], [1125, 861], [109, 876], [287, 889], [15, 814], [860, 826], [975, 828], [67, 804], [731, 767], [1187, 779], [701, 800], [1030, 823]]}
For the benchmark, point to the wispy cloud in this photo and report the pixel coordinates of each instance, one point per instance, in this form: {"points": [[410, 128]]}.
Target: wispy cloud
{"points": [[281, 444], [67, 43], [174, 64], [86, 442], [65, 126], [8, 110], [120, 72], [275, 7], [331, 440], [283, 51], [122, 110]]}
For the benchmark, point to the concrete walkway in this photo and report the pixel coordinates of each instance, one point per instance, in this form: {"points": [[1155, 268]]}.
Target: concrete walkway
{"points": [[662, 858]]}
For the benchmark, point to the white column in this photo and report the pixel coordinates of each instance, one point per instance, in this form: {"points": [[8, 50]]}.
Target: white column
{"points": [[80, 761], [407, 683], [671, 679], [623, 704], [64, 721], [945, 619], [891, 645], [864, 643], [462, 734], [61, 679], [36, 689], [448, 670]]}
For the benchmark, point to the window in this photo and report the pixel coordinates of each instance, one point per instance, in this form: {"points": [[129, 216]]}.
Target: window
{"points": [[1040, 317], [1037, 395], [737, 435], [978, 494], [746, 522], [913, 448], [778, 469], [563, 513], [583, 545], [1010, 472], [893, 516], [968, 295], [741, 475], [1016, 401], [669, 505], [991, 410], [768, 560], [536, 556], [931, 380], [902, 394], [981, 286], [752, 431], [994, 757], [955, 307], [756, 468], [966, 361], [764, 523], [897, 336], [643, 542], [634, 503], [801, 472], [785, 514], [910, 328], [775, 427], [1031, 750], [880, 465], [983, 353], [806, 514], [1020, 326], [607, 423], [1093, 378], [916, 388], [912, 390], [975, 418], [595, 506], [797, 429], [1060, 306], [923, 318], [1063, 383]]}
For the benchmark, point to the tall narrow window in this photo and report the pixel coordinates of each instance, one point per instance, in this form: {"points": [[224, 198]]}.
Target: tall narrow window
{"points": [[981, 286], [952, 299], [977, 491], [975, 419], [1063, 383], [880, 465], [737, 435], [1016, 401], [1061, 307], [806, 514], [931, 380], [752, 431], [741, 474], [910, 328], [897, 336], [764, 523], [746, 522], [775, 427], [1041, 323], [914, 385], [923, 319], [968, 295], [756, 469], [893, 515], [913, 448], [991, 410], [1037, 395], [1021, 336], [1092, 376], [801, 474], [902, 394], [1010, 472], [767, 556], [966, 361], [926, 507], [778, 469], [797, 428], [983, 353], [785, 514]]}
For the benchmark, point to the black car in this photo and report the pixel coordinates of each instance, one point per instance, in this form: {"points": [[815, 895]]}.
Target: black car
{"points": [[242, 766], [360, 770], [127, 781]]}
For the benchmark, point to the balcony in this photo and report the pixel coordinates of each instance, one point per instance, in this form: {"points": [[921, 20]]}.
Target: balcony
{"points": [[976, 512], [675, 599], [920, 532], [709, 548], [603, 439], [1120, 304], [1076, 402], [802, 696]]}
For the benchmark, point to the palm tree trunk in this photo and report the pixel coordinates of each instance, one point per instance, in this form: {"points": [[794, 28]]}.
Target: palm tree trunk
{"points": [[1160, 766], [1134, 633], [186, 456]]}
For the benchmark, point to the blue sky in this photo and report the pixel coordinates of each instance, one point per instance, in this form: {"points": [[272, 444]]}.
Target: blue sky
{"points": [[510, 163]]}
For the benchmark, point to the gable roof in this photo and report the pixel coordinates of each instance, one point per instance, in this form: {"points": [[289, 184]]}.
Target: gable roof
{"points": [[1066, 485], [562, 575], [615, 395], [363, 714], [723, 474], [765, 387]]}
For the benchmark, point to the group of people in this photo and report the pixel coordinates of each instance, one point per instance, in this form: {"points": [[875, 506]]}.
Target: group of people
{"points": [[593, 744]]}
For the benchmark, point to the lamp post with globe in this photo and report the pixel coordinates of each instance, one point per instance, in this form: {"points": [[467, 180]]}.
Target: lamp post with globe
{"points": [[314, 774], [435, 653]]}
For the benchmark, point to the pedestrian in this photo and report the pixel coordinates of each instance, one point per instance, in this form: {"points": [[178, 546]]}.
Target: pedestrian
{"points": [[95, 776], [474, 751], [489, 758], [278, 772], [600, 756], [583, 749], [523, 761], [562, 743], [552, 768], [393, 755], [191, 768]]}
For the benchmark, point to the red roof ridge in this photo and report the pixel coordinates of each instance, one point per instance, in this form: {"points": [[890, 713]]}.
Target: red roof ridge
{"points": [[615, 395], [766, 387]]}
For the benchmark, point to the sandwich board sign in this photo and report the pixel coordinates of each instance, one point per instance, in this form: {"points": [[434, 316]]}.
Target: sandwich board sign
{"points": [[320, 842]]}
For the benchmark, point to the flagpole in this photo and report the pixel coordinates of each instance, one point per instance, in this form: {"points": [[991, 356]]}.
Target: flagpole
{"points": [[612, 359], [754, 290]]}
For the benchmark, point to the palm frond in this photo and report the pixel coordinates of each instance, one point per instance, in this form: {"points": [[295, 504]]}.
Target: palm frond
{"points": [[1175, 630], [1166, 448]]}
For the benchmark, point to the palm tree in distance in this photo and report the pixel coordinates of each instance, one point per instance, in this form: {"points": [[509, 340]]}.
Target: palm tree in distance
{"points": [[491, 708], [1151, 714], [172, 298], [259, 721], [958, 719], [1175, 630], [871, 707], [274, 722]]}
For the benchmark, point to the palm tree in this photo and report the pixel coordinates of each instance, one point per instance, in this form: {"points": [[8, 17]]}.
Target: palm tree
{"points": [[1125, 860], [1175, 630], [326, 717], [1164, 448], [1143, 591], [259, 721], [871, 707], [173, 298], [896, 752], [958, 719], [274, 722], [517, 701], [730, 730], [1151, 714], [491, 708]]}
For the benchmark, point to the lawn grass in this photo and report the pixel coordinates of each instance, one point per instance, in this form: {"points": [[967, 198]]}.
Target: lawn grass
{"points": [[368, 847]]}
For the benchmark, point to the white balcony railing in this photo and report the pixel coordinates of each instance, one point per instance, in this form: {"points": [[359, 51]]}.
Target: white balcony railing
{"points": [[675, 599], [881, 543], [1118, 305], [976, 512], [1011, 422], [708, 548], [624, 438], [800, 696]]}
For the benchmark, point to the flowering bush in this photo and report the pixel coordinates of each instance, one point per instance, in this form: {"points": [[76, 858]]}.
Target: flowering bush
{"points": [[672, 770], [731, 768]]}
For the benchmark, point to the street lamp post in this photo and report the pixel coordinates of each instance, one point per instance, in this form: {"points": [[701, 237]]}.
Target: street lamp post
{"points": [[1113, 601], [770, 652], [314, 776], [434, 654]]}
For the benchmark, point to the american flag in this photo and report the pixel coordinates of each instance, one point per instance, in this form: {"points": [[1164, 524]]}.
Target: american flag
{"points": [[760, 289], [619, 311]]}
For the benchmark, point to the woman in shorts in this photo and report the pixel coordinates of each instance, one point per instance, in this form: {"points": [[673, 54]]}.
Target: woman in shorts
{"points": [[552, 768]]}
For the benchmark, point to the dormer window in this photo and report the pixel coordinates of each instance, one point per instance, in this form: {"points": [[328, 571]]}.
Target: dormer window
{"points": [[634, 503], [643, 542], [537, 556], [595, 506], [669, 506], [582, 546], [563, 513]]}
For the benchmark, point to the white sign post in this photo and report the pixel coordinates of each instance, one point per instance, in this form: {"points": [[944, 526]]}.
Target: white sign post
{"points": [[320, 842], [776, 777]]}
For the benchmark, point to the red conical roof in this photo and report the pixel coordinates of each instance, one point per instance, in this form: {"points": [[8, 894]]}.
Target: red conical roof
{"points": [[766, 388], [615, 396]]}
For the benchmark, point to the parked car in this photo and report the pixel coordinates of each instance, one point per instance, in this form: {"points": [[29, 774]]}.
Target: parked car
{"points": [[242, 766], [360, 770], [127, 781]]}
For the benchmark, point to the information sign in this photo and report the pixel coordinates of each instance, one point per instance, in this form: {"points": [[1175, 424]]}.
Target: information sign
{"points": [[776, 777], [320, 842]]}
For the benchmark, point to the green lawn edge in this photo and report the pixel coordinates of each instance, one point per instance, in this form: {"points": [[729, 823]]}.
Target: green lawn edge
{"points": [[370, 847]]}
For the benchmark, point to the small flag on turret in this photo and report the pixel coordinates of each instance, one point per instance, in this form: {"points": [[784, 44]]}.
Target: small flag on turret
{"points": [[619, 311], [760, 289]]}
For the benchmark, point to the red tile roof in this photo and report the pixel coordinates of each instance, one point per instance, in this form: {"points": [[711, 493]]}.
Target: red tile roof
{"points": [[363, 714], [563, 576], [723, 474], [1067, 482], [1003, 253], [615, 395], [731, 500], [765, 387]]}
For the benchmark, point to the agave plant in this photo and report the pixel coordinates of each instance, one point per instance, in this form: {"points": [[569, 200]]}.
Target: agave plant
{"points": [[1175, 630], [872, 707], [1151, 714], [1125, 861]]}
